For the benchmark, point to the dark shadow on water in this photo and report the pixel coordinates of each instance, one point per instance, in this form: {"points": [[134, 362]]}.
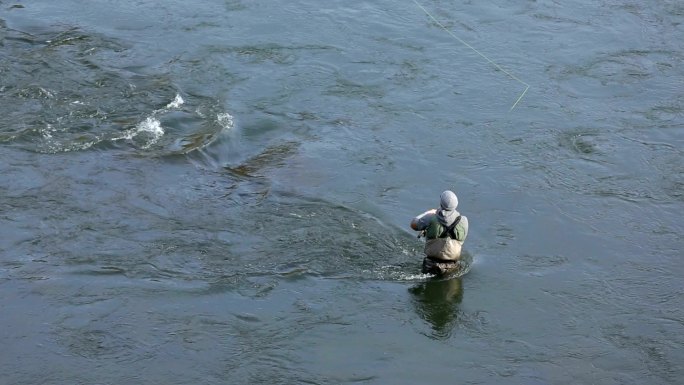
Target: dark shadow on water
{"points": [[436, 301]]}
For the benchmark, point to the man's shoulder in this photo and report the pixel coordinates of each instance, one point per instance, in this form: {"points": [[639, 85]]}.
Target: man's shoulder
{"points": [[464, 220]]}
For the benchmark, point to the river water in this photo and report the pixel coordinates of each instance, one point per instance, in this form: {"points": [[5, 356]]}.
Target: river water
{"points": [[219, 192]]}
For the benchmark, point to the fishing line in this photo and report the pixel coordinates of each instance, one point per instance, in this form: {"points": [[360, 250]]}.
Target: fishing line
{"points": [[527, 86]]}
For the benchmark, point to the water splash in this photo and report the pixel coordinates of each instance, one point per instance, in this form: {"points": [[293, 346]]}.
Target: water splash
{"points": [[150, 130], [414, 277], [176, 103], [225, 120]]}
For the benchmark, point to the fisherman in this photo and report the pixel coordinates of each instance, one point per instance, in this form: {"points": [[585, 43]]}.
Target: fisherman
{"points": [[445, 230]]}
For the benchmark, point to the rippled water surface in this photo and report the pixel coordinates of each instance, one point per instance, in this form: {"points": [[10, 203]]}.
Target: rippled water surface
{"points": [[219, 192]]}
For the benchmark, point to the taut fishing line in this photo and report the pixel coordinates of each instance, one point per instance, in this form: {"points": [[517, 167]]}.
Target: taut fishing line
{"points": [[527, 86]]}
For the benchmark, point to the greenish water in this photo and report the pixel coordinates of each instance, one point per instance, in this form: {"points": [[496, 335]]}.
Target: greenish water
{"points": [[219, 192]]}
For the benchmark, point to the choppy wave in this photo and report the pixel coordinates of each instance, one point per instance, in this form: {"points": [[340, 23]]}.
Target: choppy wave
{"points": [[71, 90], [149, 131]]}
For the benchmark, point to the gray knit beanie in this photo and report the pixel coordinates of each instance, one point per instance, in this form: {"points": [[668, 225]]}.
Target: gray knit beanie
{"points": [[447, 213]]}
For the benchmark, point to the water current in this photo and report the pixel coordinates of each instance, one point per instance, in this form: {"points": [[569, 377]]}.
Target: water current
{"points": [[219, 192]]}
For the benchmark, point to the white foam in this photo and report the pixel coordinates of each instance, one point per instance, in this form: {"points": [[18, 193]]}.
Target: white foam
{"points": [[414, 277], [153, 127], [225, 120], [176, 103]]}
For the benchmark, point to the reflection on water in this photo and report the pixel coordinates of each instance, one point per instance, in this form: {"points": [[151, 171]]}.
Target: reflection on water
{"points": [[436, 301]]}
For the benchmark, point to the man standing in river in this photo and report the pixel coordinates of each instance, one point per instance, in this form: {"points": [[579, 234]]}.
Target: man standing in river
{"points": [[445, 230]]}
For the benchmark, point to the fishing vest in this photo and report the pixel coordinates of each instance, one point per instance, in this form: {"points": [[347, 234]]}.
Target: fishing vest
{"points": [[443, 242]]}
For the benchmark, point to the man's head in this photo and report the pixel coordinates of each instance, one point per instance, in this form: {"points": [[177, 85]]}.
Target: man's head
{"points": [[448, 200], [447, 213]]}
